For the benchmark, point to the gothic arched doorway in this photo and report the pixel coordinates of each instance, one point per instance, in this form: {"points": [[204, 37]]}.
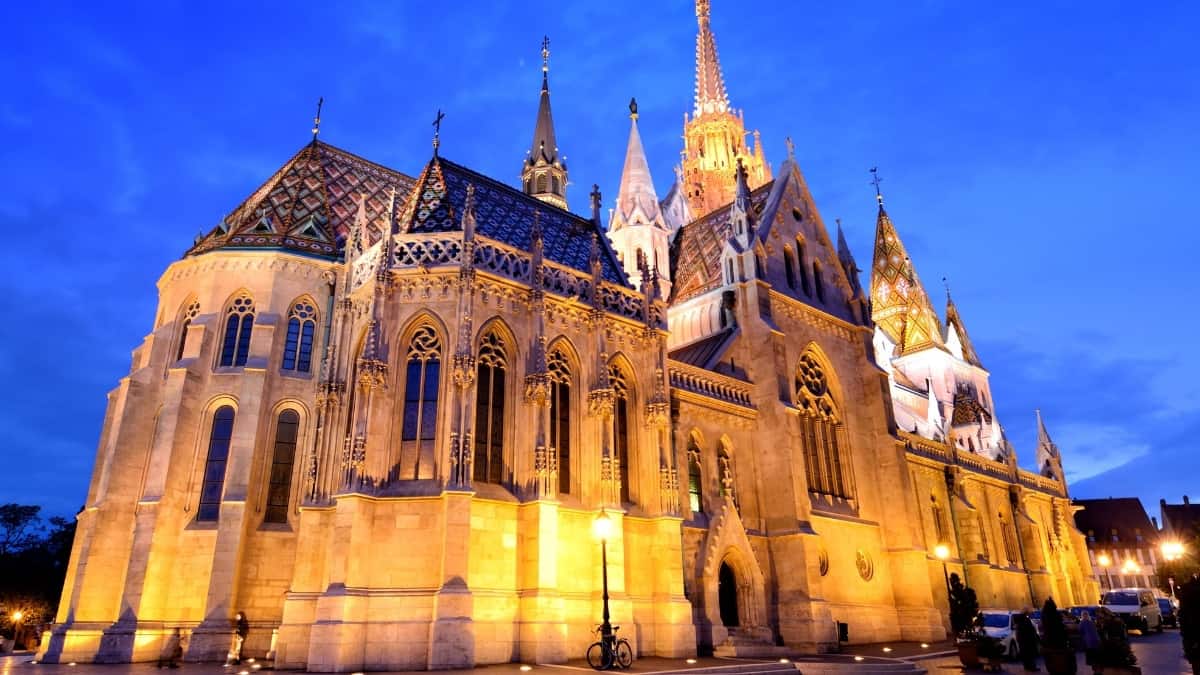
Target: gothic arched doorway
{"points": [[727, 593]]}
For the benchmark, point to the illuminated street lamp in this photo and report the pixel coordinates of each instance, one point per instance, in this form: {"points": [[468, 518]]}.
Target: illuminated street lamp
{"points": [[942, 552], [16, 621], [602, 528], [1130, 568], [1104, 561], [1172, 551]]}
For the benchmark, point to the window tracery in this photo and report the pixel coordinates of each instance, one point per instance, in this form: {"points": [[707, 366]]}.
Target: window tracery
{"points": [[620, 420], [489, 410], [186, 318], [239, 323], [298, 346], [422, 378], [560, 416], [822, 431]]}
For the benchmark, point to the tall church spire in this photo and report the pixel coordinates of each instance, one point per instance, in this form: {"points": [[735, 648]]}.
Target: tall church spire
{"points": [[638, 231], [544, 174], [956, 334], [900, 307], [715, 136], [711, 96]]}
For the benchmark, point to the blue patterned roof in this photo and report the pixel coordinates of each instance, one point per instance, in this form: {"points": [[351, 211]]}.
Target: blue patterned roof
{"points": [[506, 214]]}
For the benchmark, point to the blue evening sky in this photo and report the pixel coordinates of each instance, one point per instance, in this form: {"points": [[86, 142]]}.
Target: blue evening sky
{"points": [[1041, 155]]}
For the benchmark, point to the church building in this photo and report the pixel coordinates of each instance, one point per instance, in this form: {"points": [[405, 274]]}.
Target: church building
{"points": [[379, 413]]}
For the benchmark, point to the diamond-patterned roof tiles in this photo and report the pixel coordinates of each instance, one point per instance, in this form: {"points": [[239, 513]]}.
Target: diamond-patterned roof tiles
{"points": [[900, 305], [309, 204], [696, 254]]}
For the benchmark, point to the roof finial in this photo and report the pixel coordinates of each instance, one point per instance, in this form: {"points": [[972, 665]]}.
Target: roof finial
{"points": [[946, 283], [703, 9], [317, 120], [633, 109], [876, 180], [545, 61], [791, 149], [437, 130]]}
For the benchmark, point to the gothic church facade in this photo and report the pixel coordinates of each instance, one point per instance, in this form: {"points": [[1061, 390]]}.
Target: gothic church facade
{"points": [[379, 414]]}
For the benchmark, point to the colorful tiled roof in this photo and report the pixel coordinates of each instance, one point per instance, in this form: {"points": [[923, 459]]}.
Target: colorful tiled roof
{"points": [[899, 304], [309, 204], [696, 251], [505, 214]]}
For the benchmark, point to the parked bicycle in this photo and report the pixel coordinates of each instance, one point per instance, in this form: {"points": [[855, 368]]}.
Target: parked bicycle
{"points": [[609, 651]]}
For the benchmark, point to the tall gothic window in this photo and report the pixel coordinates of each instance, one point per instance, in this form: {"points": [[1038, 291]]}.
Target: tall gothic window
{"points": [[185, 319], [297, 349], [816, 269], [789, 268], [621, 408], [279, 491], [418, 426], [213, 483], [695, 478], [800, 267], [239, 322], [983, 539], [560, 417], [822, 432], [1010, 541], [489, 410]]}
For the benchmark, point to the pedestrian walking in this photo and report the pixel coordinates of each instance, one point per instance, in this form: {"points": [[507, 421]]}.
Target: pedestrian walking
{"points": [[172, 651], [1090, 637], [1027, 642]]}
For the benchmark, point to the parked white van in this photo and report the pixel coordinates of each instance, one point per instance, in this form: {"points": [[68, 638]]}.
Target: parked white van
{"points": [[1137, 607]]}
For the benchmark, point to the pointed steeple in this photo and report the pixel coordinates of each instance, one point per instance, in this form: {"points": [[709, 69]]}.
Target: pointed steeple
{"points": [[710, 84], [956, 332], [715, 136], [899, 304], [846, 258], [1049, 460], [637, 229], [544, 174]]}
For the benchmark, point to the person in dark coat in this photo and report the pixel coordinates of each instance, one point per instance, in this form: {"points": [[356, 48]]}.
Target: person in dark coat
{"points": [[1090, 637], [240, 631], [1027, 642]]}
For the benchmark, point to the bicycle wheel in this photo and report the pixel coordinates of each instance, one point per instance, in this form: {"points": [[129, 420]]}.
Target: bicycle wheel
{"points": [[624, 653], [598, 657]]}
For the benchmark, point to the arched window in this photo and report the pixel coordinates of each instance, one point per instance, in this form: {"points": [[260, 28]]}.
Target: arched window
{"points": [[541, 182], [983, 539], [555, 187], [213, 483], [185, 319], [418, 427], [759, 265], [297, 349], [621, 408], [816, 269], [802, 268], [1010, 541], [789, 267], [489, 410], [279, 490], [695, 478], [560, 417], [239, 322], [822, 432]]}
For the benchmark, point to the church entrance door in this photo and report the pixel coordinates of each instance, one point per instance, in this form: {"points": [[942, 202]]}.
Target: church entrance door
{"points": [[727, 592]]}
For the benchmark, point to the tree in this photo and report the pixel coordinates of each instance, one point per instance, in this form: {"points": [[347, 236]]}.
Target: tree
{"points": [[20, 527]]}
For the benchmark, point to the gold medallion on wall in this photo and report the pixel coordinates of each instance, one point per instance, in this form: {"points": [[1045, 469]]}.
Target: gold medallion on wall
{"points": [[866, 567]]}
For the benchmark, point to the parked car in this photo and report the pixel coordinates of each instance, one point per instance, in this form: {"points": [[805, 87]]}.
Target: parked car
{"points": [[1137, 607], [998, 625], [1170, 613]]}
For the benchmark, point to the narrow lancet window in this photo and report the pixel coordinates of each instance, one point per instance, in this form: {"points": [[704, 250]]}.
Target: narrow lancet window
{"points": [[418, 428], [489, 410], [560, 417], [279, 490], [297, 348], [621, 408], [239, 323], [213, 482]]}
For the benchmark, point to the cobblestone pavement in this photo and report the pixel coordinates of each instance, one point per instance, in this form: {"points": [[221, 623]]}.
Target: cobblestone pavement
{"points": [[1156, 654]]}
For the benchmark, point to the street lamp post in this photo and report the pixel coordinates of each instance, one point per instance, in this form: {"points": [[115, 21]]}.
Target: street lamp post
{"points": [[1172, 551], [16, 621], [1104, 561], [602, 528], [942, 552]]}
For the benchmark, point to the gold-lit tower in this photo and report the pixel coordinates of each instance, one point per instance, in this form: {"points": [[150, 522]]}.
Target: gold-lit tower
{"points": [[544, 174], [715, 135]]}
